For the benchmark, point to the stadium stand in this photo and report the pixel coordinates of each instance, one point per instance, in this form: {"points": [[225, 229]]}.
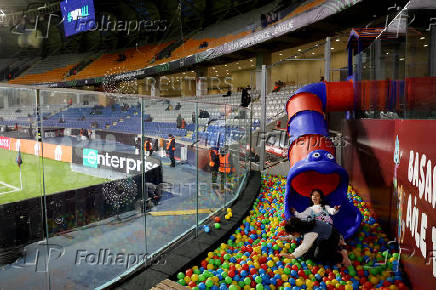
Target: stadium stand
{"points": [[155, 54], [55, 61], [109, 63]]}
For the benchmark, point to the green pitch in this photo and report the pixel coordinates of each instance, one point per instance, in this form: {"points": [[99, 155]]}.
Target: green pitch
{"points": [[57, 177]]}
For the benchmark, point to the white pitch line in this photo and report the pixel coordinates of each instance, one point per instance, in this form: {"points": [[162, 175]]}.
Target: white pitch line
{"points": [[5, 192], [14, 189], [8, 185]]}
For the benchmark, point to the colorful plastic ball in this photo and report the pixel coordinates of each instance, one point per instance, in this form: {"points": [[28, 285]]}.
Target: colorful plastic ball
{"points": [[209, 282], [182, 282], [206, 228], [217, 225], [249, 258]]}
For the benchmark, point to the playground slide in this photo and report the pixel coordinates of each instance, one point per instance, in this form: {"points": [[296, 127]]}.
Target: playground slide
{"points": [[312, 154]]}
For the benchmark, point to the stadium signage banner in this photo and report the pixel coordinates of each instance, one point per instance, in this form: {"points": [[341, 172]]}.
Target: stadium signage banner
{"points": [[117, 161], [5, 143], [52, 151]]}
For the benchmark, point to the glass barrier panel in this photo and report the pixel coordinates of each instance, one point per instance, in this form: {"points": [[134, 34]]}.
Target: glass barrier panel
{"points": [[171, 205], [92, 184], [117, 178], [23, 244], [212, 150], [420, 62]]}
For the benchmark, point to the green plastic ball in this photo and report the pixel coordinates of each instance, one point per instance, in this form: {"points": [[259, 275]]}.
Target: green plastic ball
{"points": [[209, 283], [182, 282]]}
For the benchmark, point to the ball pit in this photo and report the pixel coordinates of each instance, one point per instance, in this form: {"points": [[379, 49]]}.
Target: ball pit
{"points": [[249, 259]]}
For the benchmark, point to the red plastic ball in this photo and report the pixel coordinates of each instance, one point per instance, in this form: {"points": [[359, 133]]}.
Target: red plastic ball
{"points": [[192, 284], [189, 272], [231, 273]]}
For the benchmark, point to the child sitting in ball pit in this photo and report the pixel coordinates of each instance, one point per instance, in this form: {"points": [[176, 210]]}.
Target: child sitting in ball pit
{"points": [[319, 210], [321, 242]]}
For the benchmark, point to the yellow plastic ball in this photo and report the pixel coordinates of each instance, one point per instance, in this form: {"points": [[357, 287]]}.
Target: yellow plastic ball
{"points": [[286, 261], [309, 283], [299, 282], [373, 280]]}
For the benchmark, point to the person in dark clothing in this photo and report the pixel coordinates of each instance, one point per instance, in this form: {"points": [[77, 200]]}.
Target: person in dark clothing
{"points": [[177, 107], [137, 145], [245, 97], [171, 148], [228, 94], [193, 117], [321, 242], [179, 121], [203, 114], [263, 21], [214, 165]]}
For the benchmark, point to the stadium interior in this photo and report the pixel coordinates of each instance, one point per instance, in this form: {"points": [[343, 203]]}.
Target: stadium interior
{"points": [[173, 144]]}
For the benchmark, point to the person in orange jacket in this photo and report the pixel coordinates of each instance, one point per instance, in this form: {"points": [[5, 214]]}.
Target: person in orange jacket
{"points": [[148, 148], [226, 169], [214, 164], [171, 148]]}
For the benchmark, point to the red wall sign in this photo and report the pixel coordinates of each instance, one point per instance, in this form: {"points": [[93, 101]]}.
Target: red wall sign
{"points": [[415, 185]]}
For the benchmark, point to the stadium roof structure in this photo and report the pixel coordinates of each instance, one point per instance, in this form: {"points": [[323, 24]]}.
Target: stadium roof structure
{"points": [[311, 21]]}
